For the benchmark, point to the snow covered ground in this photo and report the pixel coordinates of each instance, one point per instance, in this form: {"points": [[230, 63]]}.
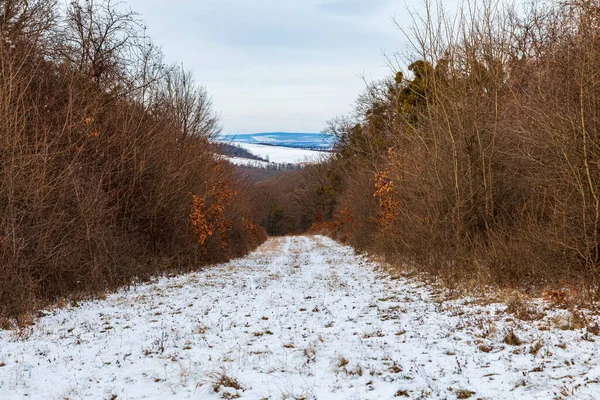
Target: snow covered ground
{"points": [[300, 318], [278, 154]]}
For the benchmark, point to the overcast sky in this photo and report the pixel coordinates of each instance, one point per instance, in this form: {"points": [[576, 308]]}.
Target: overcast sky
{"points": [[277, 65]]}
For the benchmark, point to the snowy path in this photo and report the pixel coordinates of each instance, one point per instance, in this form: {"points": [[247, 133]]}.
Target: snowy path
{"points": [[300, 318]]}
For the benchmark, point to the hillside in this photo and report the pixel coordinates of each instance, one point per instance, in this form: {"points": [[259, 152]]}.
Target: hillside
{"points": [[313, 141], [277, 148]]}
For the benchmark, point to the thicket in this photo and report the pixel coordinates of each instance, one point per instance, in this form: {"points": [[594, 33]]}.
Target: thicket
{"points": [[482, 160], [291, 201], [106, 170]]}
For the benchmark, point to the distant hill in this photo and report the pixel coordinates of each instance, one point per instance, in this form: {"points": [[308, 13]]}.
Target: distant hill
{"points": [[314, 141]]}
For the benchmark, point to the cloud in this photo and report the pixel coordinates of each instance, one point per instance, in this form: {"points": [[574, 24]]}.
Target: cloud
{"points": [[353, 7], [274, 65], [281, 25]]}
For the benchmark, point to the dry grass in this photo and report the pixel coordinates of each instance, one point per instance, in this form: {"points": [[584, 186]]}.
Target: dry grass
{"points": [[512, 339], [341, 362], [523, 309], [220, 383], [486, 348], [464, 394], [200, 329], [536, 347]]}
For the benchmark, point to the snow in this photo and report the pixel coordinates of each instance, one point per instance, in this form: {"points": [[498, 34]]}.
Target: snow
{"points": [[279, 155], [247, 162], [285, 139], [302, 317]]}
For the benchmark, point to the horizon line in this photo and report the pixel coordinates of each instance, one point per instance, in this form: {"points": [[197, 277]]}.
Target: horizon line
{"points": [[260, 133]]}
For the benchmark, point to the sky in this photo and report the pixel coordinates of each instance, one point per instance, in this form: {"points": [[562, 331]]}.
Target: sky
{"points": [[277, 65]]}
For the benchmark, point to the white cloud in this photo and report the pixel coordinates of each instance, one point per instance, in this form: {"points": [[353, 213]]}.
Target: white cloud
{"points": [[274, 65], [353, 7]]}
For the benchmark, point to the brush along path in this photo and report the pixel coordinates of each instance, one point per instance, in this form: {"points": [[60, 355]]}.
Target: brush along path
{"points": [[303, 317]]}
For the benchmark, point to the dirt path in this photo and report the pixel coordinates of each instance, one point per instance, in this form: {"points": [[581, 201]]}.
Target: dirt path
{"points": [[301, 318]]}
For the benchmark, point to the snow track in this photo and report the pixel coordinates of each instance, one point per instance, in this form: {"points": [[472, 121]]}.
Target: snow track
{"points": [[300, 318]]}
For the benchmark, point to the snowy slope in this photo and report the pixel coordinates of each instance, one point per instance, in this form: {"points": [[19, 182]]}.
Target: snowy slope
{"points": [[281, 155], [303, 317], [282, 147], [286, 139]]}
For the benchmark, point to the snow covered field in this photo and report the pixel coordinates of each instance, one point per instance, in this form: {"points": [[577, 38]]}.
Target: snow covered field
{"points": [[300, 318], [278, 154], [286, 139]]}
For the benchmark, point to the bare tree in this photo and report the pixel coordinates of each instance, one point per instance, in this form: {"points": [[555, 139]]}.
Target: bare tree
{"points": [[30, 19], [104, 42], [189, 105]]}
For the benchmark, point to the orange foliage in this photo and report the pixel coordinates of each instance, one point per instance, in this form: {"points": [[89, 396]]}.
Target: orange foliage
{"points": [[388, 204], [342, 226], [208, 213], [565, 295], [251, 229]]}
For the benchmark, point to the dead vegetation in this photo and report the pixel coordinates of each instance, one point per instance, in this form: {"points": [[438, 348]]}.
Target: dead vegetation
{"points": [[106, 170], [522, 308], [479, 159], [512, 339], [225, 385]]}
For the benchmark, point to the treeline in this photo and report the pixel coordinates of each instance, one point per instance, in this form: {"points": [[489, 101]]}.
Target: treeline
{"points": [[291, 202], [482, 160], [106, 171], [266, 172], [232, 150]]}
